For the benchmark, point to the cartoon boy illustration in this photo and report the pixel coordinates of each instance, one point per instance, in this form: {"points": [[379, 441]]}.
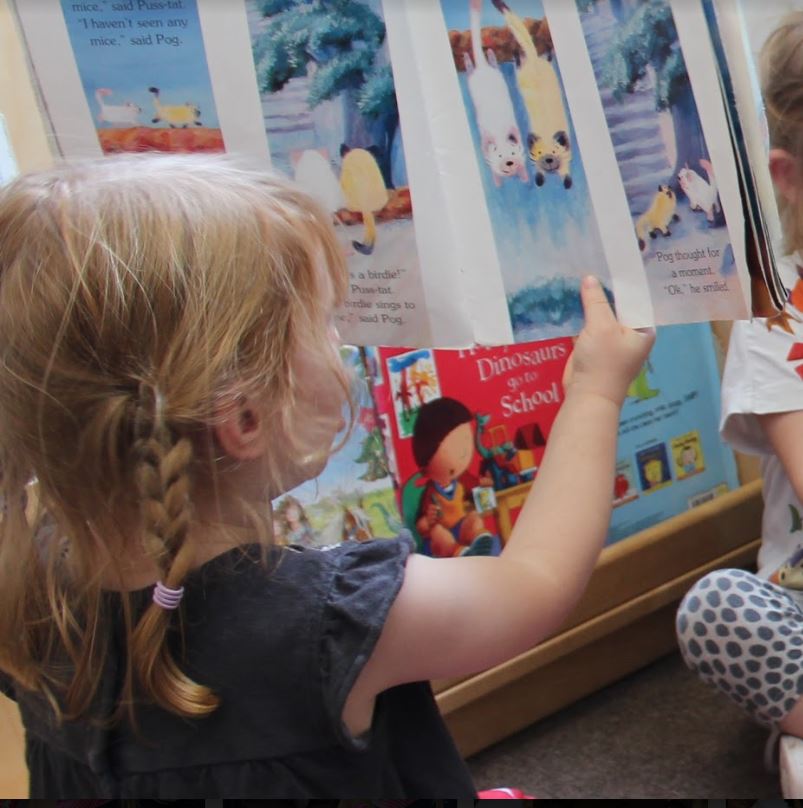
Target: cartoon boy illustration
{"points": [[688, 458], [443, 447]]}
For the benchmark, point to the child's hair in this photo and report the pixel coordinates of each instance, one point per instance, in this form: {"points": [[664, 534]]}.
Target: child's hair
{"points": [[137, 294], [782, 90], [435, 420]]}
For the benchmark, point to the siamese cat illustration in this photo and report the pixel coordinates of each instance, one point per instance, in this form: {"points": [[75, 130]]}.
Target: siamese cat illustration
{"points": [[175, 115], [657, 218], [548, 136], [364, 191], [500, 138]]}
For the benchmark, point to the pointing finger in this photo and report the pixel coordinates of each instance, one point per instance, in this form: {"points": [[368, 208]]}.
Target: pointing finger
{"points": [[595, 304]]}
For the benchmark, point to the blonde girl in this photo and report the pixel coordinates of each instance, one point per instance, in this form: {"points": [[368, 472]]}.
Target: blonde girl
{"points": [[168, 368], [743, 633]]}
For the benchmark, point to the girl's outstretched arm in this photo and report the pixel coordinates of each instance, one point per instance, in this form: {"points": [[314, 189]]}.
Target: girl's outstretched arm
{"points": [[456, 616]]}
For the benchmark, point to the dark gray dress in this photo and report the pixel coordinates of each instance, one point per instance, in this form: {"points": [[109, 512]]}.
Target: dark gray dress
{"points": [[282, 646]]}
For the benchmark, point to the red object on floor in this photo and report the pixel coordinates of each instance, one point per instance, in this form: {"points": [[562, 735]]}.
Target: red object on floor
{"points": [[504, 794]]}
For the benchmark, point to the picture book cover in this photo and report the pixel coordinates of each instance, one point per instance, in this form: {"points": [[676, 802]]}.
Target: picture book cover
{"points": [[467, 431], [669, 454], [353, 498]]}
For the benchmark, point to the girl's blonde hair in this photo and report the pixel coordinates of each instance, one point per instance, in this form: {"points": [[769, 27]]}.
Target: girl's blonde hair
{"points": [[137, 293], [782, 90]]}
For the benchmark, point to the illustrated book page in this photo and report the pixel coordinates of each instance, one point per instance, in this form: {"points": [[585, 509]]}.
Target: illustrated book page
{"points": [[205, 76]]}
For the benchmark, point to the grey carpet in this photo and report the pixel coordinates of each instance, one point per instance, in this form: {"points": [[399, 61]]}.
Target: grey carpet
{"points": [[660, 733]]}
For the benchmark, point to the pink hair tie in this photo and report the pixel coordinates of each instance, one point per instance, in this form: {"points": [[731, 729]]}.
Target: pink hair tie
{"points": [[166, 597]]}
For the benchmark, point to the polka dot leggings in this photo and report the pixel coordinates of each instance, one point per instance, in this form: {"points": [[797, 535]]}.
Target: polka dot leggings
{"points": [[744, 636]]}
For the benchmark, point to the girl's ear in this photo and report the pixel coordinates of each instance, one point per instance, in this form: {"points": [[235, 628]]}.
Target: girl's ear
{"points": [[240, 429], [785, 174]]}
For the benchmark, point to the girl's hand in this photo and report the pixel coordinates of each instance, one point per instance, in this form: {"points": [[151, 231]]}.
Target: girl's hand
{"points": [[607, 355]]}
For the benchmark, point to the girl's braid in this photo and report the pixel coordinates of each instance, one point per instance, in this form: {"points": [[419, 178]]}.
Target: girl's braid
{"points": [[163, 482]]}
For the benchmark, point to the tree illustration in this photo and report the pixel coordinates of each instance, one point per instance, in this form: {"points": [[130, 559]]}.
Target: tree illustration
{"points": [[584, 6], [647, 41], [617, 6], [336, 43], [372, 453]]}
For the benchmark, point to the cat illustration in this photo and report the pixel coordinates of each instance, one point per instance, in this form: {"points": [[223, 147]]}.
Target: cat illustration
{"points": [[175, 115], [548, 138], [702, 195], [313, 171], [500, 137], [125, 113], [658, 216], [364, 191]]}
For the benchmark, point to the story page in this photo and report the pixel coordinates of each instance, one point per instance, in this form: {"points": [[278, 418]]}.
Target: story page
{"points": [[663, 123]]}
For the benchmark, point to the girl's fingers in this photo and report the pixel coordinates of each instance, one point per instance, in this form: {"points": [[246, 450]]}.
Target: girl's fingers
{"points": [[595, 303]]}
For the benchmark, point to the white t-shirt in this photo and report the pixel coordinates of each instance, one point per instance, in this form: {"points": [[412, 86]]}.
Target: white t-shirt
{"points": [[764, 374]]}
